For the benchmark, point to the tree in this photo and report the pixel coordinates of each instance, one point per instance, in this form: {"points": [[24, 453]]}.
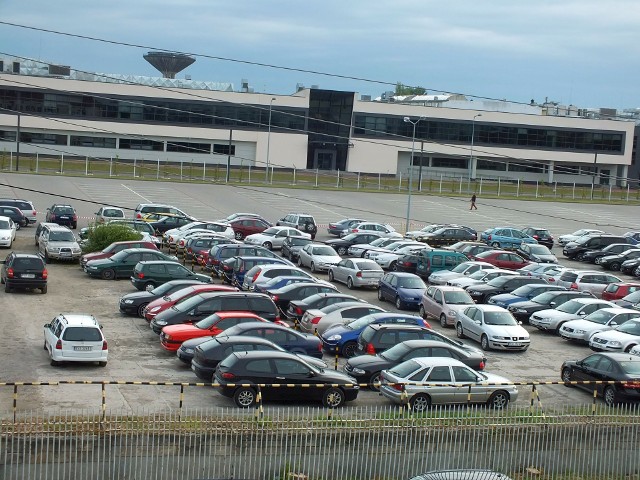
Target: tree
{"points": [[402, 89]]}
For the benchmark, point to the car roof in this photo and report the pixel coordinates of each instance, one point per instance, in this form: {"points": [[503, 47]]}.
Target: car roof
{"points": [[437, 361], [449, 288], [587, 300], [82, 319], [236, 313], [249, 325], [403, 274], [620, 310], [396, 326], [158, 262], [262, 354], [26, 255], [485, 307], [223, 338], [55, 226], [620, 356]]}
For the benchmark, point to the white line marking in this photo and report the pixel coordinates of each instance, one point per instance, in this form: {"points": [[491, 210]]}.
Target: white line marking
{"points": [[136, 193]]}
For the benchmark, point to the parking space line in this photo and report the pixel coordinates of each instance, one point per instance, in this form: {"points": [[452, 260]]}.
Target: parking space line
{"points": [[136, 193]]}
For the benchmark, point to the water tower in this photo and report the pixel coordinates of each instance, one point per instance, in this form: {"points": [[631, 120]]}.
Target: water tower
{"points": [[169, 63]]}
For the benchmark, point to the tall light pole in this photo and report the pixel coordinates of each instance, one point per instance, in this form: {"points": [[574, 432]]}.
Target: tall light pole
{"points": [[473, 132], [266, 173], [413, 144]]}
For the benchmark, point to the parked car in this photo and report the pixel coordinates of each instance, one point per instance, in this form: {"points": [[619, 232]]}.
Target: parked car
{"points": [[614, 262], [541, 235], [618, 291], [463, 269], [106, 214], [505, 284], [444, 303], [411, 379], [166, 221], [550, 299], [300, 221], [273, 238], [344, 338], [180, 295], [135, 303], [430, 261], [523, 293], [604, 319], [122, 264], [342, 244], [146, 208], [317, 257], [630, 300], [62, 215], [239, 369], [336, 228], [243, 264], [536, 253], [389, 260], [480, 277], [25, 206], [470, 251], [494, 327], [538, 269], [283, 296], [243, 226], [42, 226], [172, 236], [578, 249], [630, 266], [75, 338], [367, 368], [360, 249], [572, 237], [446, 236], [603, 369], [318, 320], [356, 273], [506, 237], [7, 232], [24, 271], [553, 319], [292, 245], [15, 214], [220, 253], [392, 248], [403, 289], [297, 308], [412, 234], [620, 339], [114, 248], [381, 229], [199, 247], [592, 256], [58, 243], [502, 259], [147, 275], [280, 281], [263, 273], [460, 246], [590, 281], [208, 354], [378, 337]]}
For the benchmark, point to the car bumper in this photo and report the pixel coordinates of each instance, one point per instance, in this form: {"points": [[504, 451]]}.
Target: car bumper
{"points": [[100, 356], [505, 345], [59, 256], [598, 347], [203, 372], [128, 308], [541, 324], [576, 337], [392, 394], [25, 283]]}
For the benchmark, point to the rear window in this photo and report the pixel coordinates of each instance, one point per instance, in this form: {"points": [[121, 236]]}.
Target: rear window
{"points": [[612, 288], [300, 241], [367, 334], [64, 210], [82, 334], [405, 369], [27, 263], [304, 219], [568, 277], [260, 305]]}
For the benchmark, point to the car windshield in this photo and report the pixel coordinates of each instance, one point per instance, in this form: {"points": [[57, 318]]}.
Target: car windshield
{"points": [[378, 241], [633, 297], [478, 275], [360, 322], [524, 290], [111, 212], [539, 250], [600, 317], [207, 322], [162, 289], [324, 251], [630, 367], [300, 241], [544, 298], [411, 282], [572, 306], [189, 303], [498, 281], [271, 232], [350, 237], [460, 268], [457, 298], [579, 233], [631, 328], [499, 318], [61, 237], [4, 225], [121, 255], [396, 352]]}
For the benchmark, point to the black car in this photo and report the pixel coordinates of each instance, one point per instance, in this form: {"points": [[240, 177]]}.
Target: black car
{"points": [[447, 236], [199, 306], [630, 266], [288, 338], [62, 215], [614, 262], [613, 249], [536, 253], [336, 228], [601, 368], [378, 337], [167, 222], [292, 245], [408, 263], [542, 235], [297, 308], [281, 368], [341, 245], [523, 310], [506, 284], [367, 368], [134, 303], [298, 291], [207, 354], [585, 244], [15, 214], [24, 271]]}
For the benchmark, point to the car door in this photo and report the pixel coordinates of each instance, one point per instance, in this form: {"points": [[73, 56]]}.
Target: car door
{"points": [[176, 271], [476, 325], [295, 373], [124, 268], [445, 391], [52, 332], [391, 288], [502, 260], [469, 386], [466, 318], [586, 370], [342, 270], [438, 300]]}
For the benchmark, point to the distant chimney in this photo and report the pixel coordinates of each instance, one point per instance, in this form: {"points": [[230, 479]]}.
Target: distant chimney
{"points": [[244, 85]]}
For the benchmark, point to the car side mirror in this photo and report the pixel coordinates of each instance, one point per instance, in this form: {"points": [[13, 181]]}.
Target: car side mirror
{"points": [[478, 322], [311, 374], [582, 313], [579, 362], [613, 323], [47, 325], [552, 304], [519, 322]]}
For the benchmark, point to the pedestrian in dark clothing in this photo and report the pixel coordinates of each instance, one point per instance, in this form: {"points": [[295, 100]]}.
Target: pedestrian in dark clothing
{"points": [[473, 202]]}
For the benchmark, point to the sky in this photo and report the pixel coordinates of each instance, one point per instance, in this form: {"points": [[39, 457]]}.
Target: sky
{"points": [[580, 52]]}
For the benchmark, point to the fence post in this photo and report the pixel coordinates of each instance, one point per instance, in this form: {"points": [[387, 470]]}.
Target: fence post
{"points": [[379, 180], [38, 164], [180, 170], [271, 175], [480, 189], [110, 165], [62, 163], [610, 187], [338, 180], [294, 175], [358, 188], [400, 182], [627, 182], [158, 171], [498, 186], [316, 178], [86, 166], [10, 162], [134, 167], [249, 173], [204, 170], [440, 183], [555, 190], [518, 190], [536, 188], [573, 192], [460, 184]]}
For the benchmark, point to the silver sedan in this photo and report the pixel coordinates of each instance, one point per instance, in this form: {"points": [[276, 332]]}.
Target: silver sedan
{"points": [[317, 257], [356, 272], [492, 326]]}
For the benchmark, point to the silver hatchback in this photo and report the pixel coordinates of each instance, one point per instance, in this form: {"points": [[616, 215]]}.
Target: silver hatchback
{"points": [[356, 273]]}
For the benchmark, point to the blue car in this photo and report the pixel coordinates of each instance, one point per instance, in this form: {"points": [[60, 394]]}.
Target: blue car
{"points": [[522, 294], [403, 289], [344, 338], [288, 338], [505, 237], [279, 282]]}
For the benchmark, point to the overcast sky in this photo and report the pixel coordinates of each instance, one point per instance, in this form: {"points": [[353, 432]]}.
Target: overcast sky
{"points": [[580, 52]]}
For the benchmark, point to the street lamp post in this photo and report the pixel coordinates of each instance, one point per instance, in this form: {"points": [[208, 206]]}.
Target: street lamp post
{"points": [[266, 173], [413, 144], [473, 131]]}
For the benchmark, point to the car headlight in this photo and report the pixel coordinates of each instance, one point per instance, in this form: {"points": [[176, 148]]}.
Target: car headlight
{"points": [[128, 301], [154, 309], [334, 338], [358, 371], [162, 323], [188, 350], [581, 332], [5, 238], [615, 343], [453, 313], [474, 292], [520, 310], [76, 250], [167, 337], [52, 249]]}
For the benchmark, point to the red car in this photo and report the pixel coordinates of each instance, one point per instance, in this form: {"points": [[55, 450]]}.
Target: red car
{"points": [[114, 248], [502, 259], [244, 226], [161, 304], [615, 291], [172, 336]]}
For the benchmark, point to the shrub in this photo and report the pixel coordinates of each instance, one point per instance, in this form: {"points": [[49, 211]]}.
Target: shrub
{"points": [[101, 236]]}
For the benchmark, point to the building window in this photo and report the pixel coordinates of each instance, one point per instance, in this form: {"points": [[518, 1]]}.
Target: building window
{"points": [[134, 144], [43, 138], [6, 136], [449, 162], [188, 147], [521, 166], [565, 169], [96, 142], [499, 165], [223, 149]]}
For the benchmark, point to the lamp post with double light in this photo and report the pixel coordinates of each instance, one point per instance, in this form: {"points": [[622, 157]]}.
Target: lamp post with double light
{"points": [[266, 173], [413, 144], [473, 133]]}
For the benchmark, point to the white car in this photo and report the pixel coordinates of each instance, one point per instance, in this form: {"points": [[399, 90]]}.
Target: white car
{"points": [[373, 253], [360, 249], [75, 338], [572, 237], [494, 327], [463, 269], [537, 270], [623, 338], [339, 313], [554, 318], [173, 236], [381, 229], [317, 257], [273, 238], [7, 232], [479, 277], [389, 260], [427, 229], [600, 321], [107, 214]]}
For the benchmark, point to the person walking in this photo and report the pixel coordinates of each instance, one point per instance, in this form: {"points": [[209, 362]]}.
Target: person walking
{"points": [[473, 202]]}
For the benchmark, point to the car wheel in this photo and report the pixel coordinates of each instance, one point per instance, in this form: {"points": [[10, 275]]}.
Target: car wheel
{"points": [[380, 295], [342, 251], [46, 257], [141, 310], [559, 327], [43, 289], [333, 398], [499, 400], [2, 280], [267, 245], [566, 376], [459, 331], [349, 349], [628, 349], [238, 235], [54, 363], [245, 397], [300, 262], [420, 403], [443, 320], [7, 288], [422, 311], [615, 266], [349, 283], [74, 226], [312, 267], [149, 286], [108, 274], [309, 227], [17, 226], [393, 266], [373, 379], [102, 364], [495, 244], [610, 397], [330, 276], [484, 343], [580, 257], [45, 345], [399, 304]]}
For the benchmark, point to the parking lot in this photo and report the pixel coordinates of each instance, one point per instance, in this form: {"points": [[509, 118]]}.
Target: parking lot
{"points": [[134, 350]]}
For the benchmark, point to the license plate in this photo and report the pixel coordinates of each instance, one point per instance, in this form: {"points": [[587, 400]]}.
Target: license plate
{"points": [[28, 275], [65, 254], [82, 349], [64, 218], [513, 344]]}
